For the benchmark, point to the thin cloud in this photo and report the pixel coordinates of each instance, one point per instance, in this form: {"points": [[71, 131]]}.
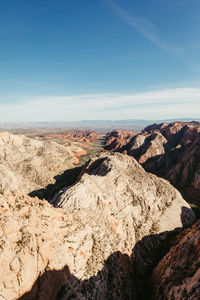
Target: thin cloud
{"points": [[151, 33], [158, 104]]}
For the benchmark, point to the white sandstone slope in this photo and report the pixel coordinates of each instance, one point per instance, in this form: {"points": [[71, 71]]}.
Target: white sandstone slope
{"points": [[86, 250], [36, 238], [115, 189], [28, 164]]}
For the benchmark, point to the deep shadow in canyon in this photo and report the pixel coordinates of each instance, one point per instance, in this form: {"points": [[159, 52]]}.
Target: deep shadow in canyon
{"points": [[70, 176], [67, 178]]}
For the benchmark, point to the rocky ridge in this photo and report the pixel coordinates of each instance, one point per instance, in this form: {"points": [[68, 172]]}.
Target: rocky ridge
{"points": [[28, 164], [130, 184], [168, 150], [116, 139], [111, 227], [94, 244]]}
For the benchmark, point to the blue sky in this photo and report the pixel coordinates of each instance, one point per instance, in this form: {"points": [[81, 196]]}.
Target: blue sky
{"points": [[99, 59]]}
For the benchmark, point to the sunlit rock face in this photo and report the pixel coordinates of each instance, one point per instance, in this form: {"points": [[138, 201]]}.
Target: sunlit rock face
{"points": [[28, 164], [36, 241], [126, 204], [168, 150], [75, 135], [114, 217], [114, 183]]}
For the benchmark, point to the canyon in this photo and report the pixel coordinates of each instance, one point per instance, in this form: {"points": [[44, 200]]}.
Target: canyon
{"points": [[169, 150], [119, 223]]}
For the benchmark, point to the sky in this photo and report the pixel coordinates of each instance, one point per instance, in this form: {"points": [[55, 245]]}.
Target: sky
{"points": [[70, 60]]}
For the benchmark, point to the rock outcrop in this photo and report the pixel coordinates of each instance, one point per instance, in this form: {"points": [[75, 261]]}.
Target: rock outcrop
{"points": [[177, 276], [180, 164], [185, 173], [28, 164], [168, 150], [78, 140], [122, 198], [37, 240], [177, 133], [112, 223], [116, 183], [141, 146], [75, 135], [117, 139]]}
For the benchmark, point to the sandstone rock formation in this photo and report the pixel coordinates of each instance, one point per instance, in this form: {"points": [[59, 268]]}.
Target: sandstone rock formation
{"points": [[116, 139], [185, 173], [177, 132], [180, 163], [91, 248], [142, 146], [79, 141], [28, 164], [36, 238], [177, 275], [168, 150], [75, 135], [116, 184]]}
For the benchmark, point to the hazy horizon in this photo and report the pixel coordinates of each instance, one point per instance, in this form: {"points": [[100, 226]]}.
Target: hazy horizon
{"points": [[94, 122]]}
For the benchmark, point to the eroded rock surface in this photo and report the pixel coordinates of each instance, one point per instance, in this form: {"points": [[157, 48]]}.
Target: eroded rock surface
{"points": [[28, 164], [37, 240], [117, 139], [91, 247], [117, 185], [168, 150], [177, 276], [75, 135]]}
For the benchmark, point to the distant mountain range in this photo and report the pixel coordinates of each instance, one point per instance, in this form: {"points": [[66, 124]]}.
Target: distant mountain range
{"points": [[99, 125]]}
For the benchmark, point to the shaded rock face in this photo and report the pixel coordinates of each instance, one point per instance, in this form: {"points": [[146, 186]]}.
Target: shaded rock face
{"points": [[28, 164], [107, 236], [185, 173], [117, 139], [180, 163], [170, 151], [177, 276]]}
